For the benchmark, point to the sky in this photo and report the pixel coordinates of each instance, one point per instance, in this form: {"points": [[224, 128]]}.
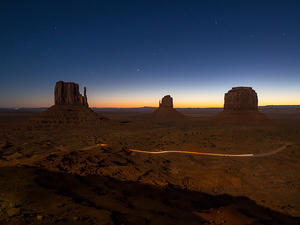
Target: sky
{"points": [[132, 53]]}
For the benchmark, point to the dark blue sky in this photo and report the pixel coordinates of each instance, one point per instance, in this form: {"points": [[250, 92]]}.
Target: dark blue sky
{"points": [[131, 53]]}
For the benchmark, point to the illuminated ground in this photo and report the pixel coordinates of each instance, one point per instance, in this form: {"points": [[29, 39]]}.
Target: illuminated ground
{"points": [[27, 156]]}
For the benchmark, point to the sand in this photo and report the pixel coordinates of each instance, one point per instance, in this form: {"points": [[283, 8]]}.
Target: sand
{"points": [[51, 176]]}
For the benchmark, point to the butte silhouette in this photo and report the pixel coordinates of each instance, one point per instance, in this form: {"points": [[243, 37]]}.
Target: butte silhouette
{"points": [[166, 110], [70, 109], [241, 106]]}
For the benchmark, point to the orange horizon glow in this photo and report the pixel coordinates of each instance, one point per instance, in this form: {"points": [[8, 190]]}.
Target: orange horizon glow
{"points": [[183, 100], [131, 104], [145, 105], [146, 101], [181, 105], [177, 105], [137, 104]]}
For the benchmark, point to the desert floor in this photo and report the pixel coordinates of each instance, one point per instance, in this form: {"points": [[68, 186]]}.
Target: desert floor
{"points": [[87, 175]]}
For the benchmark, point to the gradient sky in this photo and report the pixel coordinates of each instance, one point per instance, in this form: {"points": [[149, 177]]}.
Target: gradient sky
{"points": [[132, 53]]}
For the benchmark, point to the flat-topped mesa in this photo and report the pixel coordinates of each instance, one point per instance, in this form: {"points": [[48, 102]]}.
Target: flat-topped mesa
{"points": [[240, 99], [67, 93], [166, 102]]}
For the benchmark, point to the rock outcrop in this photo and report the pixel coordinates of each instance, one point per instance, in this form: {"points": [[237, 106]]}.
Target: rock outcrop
{"points": [[241, 106], [166, 110], [70, 109], [67, 93], [60, 116], [241, 98], [166, 102]]}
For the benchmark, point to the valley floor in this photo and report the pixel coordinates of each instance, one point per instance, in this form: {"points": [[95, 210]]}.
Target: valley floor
{"points": [[49, 176]]}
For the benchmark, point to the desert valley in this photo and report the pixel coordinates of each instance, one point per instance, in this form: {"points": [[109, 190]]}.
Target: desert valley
{"points": [[164, 112], [70, 164]]}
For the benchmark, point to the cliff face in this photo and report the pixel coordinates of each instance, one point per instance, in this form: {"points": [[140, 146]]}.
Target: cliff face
{"points": [[241, 98], [166, 110], [241, 107], [67, 93], [166, 102], [70, 110]]}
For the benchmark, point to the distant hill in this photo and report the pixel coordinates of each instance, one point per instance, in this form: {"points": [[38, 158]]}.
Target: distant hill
{"points": [[145, 108], [280, 107], [151, 109], [24, 109], [277, 109]]}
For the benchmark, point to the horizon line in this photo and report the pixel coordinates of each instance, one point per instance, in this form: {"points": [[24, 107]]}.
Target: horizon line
{"points": [[117, 107]]}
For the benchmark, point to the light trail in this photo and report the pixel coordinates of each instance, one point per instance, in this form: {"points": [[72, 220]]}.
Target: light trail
{"points": [[215, 154], [94, 146], [198, 153], [193, 153]]}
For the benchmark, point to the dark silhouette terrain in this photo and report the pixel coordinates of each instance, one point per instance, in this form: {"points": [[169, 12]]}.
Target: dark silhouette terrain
{"points": [[39, 196], [70, 110], [166, 111], [241, 106], [71, 165]]}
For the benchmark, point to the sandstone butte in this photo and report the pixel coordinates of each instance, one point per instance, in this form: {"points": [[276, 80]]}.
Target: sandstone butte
{"points": [[241, 106], [166, 110], [70, 109], [67, 93], [241, 98]]}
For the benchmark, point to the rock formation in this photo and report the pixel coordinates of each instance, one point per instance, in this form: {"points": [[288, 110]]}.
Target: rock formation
{"points": [[67, 93], [70, 109], [166, 110], [240, 106], [241, 98], [166, 102]]}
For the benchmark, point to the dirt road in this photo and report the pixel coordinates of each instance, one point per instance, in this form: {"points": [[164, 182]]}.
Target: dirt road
{"points": [[201, 153]]}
